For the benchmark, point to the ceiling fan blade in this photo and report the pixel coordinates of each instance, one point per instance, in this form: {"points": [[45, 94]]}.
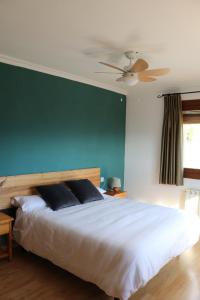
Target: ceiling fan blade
{"points": [[156, 72], [120, 79], [143, 78], [139, 66], [108, 72], [111, 66]]}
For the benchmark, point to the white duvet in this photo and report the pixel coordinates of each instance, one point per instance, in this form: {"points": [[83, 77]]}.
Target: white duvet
{"points": [[117, 244]]}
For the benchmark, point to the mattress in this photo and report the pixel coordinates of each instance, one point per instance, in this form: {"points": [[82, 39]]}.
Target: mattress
{"points": [[119, 245]]}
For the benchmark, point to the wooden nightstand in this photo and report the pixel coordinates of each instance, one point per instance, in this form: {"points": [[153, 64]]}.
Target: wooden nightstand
{"points": [[120, 194], [6, 228]]}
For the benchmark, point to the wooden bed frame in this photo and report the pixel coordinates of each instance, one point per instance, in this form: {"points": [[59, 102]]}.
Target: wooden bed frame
{"points": [[11, 186]]}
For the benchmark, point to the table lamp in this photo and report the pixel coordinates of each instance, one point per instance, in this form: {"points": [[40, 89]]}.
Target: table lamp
{"points": [[114, 183]]}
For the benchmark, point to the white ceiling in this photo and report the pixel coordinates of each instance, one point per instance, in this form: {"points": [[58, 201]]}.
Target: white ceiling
{"points": [[73, 35]]}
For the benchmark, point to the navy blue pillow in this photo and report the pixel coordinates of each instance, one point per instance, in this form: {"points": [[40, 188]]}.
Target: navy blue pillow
{"points": [[84, 190], [57, 196]]}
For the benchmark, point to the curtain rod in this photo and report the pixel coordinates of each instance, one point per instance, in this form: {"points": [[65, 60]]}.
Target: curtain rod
{"points": [[183, 93]]}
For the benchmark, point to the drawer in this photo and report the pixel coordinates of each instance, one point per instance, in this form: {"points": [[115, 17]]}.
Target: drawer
{"points": [[4, 228]]}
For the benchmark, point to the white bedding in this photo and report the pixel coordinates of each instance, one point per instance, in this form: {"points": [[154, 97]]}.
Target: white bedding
{"points": [[117, 244]]}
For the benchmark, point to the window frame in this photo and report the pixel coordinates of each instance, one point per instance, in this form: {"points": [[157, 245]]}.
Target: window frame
{"points": [[191, 105]]}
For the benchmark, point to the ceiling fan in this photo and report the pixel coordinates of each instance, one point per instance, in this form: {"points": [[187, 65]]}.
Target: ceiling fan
{"points": [[135, 71]]}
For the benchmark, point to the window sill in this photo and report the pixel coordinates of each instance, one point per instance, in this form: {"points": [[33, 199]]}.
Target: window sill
{"points": [[191, 173]]}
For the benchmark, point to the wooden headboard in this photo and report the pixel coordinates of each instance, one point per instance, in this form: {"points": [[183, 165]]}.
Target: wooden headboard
{"points": [[11, 186]]}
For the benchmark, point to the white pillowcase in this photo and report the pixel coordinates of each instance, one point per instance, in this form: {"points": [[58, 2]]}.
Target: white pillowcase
{"points": [[28, 203], [102, 191]]}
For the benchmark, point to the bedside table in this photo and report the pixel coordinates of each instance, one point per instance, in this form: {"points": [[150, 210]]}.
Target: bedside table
{"points": [[6, 228], [120, 194]]}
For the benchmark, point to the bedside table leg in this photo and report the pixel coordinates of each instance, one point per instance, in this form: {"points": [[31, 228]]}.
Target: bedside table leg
{"points": [[10, 244]]}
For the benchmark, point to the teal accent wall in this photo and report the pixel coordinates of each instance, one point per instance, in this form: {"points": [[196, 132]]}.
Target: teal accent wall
{"points": [[49, 123]]}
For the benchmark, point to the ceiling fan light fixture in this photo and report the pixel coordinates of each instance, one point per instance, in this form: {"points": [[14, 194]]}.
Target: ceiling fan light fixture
{"points": [[130, 80]]}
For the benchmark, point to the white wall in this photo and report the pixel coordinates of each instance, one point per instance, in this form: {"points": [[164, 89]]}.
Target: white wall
{"points": [[143, 141]]}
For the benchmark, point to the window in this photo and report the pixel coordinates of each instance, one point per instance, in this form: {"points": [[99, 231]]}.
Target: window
{"points": [[191, 134], [191, 138]]}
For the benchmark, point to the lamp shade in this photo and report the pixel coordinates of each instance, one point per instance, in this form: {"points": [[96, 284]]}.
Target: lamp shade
{"points": [[114, 182], [129, 80]]}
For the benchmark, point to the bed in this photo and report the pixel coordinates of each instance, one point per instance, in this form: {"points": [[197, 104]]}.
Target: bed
{"points": [[119, 245]]}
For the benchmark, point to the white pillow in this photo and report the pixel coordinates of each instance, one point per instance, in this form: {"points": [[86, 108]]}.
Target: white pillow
{"points": [[102, 191], [28, 203]]}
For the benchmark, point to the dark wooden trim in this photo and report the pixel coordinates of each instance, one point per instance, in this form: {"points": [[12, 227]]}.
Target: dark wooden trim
{"points": [[191, 118], [191, 105], [191, 173]]}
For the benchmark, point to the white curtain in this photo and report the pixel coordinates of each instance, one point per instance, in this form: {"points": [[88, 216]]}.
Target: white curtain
{"points": [[192, 201]]}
